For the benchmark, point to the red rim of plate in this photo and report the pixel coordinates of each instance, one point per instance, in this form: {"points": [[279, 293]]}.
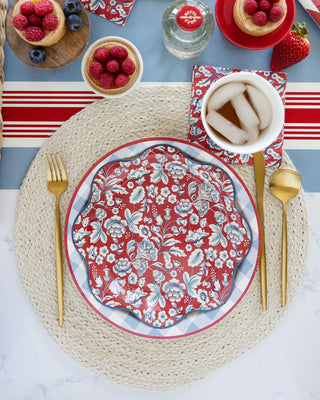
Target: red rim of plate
{"points": [[169, 140], [225, 21]]}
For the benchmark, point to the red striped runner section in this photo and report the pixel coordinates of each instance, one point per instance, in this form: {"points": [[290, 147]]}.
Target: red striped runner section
{"points": [[32, 112], [302, 116]]}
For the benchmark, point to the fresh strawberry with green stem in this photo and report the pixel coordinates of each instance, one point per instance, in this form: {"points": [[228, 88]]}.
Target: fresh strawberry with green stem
{"points": [[292, 49]]}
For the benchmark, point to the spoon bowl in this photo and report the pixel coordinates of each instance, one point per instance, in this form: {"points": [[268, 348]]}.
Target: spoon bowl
{"points": [[284, 184]]}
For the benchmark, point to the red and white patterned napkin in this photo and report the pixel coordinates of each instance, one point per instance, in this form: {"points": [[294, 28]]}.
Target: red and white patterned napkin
{"points": [[313, 9], [202, 78], [116, 11]]}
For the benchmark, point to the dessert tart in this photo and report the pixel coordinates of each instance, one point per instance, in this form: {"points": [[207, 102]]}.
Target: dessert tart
{"points": [[111, 78], [45, 25], [259, 18]]}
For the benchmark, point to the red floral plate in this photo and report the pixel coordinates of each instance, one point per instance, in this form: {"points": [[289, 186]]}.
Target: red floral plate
{"points": [[193, 322], [225, 21], [161, 235]]}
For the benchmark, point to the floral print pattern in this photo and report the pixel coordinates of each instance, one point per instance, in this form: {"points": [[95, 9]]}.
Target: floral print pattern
{"points": [[116, 11], [161, 236]]}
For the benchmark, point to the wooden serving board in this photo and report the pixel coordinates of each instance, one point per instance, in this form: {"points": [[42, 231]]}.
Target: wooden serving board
{"points": [[65, 52]]}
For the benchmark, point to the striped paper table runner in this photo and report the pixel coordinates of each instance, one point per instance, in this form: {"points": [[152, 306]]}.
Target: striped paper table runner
{"points": [[33, 113]]}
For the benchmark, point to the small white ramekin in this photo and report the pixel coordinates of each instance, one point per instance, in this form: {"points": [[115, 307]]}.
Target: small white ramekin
{"points": [[134, 54]]}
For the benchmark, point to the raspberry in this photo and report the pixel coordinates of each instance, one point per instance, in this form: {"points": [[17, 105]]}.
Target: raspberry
{"points": [[250, 7], [113, 66], [50, 22], [96, 69], [276, 13], [34, 33], [43, 7], [122, 80], [20, 22], [265, 5], [128, 66], [35, 20], [107, 80], [260, 18], [27, 8], [101, 54], [119, 52]]}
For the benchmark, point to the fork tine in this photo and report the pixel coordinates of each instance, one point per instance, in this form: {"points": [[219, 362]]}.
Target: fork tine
{"points": [[62, 169], [55, 168], [49, 173], [52, 168]]}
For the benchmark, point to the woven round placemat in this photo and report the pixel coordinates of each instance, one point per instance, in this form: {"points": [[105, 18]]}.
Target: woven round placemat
{"points": [[157, 364]]}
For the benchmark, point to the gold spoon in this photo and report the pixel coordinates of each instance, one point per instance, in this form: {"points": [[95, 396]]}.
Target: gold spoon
{"points": [[284, 184]]}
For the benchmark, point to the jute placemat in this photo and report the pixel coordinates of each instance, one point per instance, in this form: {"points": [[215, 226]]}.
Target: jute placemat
{"points": [[157, 364]]}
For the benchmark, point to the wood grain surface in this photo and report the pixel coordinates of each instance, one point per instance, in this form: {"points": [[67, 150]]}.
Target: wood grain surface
{"points": [[66, 51]]}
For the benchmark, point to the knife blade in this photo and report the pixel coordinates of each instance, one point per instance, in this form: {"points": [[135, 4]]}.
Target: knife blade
{"points": [[260, 172]]}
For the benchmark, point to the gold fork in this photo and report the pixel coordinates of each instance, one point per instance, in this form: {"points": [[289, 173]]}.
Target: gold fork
{"points": [[57, 184]]}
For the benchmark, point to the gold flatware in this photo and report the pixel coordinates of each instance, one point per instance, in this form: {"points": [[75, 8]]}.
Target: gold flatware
{"points": [[284, 184], [57, 184], [260, 171]]}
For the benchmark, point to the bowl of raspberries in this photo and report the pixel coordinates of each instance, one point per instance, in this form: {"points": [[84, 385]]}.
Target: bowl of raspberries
{"points": [[112, 66]]}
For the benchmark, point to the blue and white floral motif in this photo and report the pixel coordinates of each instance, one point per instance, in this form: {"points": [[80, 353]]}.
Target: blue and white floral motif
{"points": [[197, 237], [141, 266], [174, 290], [234, 233], [122, 266], [184, 207], [195, 258], [115, 227], [134, 298], [146, 249], [161, 236], [137, 195], [176, 170], [97, 232], [209, 192], [79, 237]]}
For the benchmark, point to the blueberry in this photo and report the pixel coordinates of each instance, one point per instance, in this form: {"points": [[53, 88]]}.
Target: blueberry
{"points": [[72, 7], [37, 55], [74, 22]]}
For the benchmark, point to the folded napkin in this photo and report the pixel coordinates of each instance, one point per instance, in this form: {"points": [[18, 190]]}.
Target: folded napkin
{"points": [[202, 78], [116, 11], [313, 9]]}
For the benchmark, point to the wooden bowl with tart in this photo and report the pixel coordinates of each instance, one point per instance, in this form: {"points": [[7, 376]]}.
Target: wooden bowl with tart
{"points": [[47, 34]]}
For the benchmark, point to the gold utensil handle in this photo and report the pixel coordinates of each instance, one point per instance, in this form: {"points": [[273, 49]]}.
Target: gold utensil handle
{"points": [[284, 257], [59, 268], [263, 264], [260, 171]]}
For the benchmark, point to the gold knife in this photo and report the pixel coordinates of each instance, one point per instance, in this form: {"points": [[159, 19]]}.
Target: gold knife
{"points": [[260, 172]]}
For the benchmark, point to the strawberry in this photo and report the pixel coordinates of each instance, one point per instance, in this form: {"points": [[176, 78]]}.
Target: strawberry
{"points": [[292, 49]]}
